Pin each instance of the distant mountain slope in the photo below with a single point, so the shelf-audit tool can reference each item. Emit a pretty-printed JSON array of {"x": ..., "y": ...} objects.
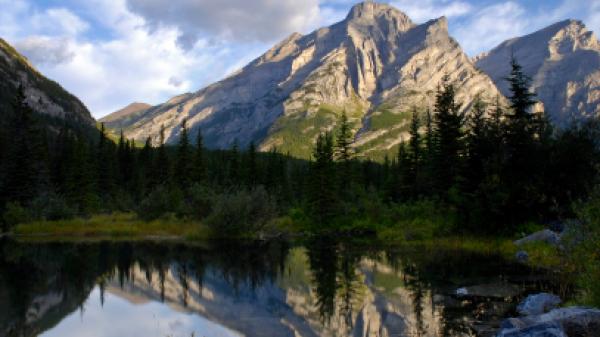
[
  {"x": 376, "y": 65},
  {"x": 119, "y": 118},
  {"x": 43, "y": 95},
  {"x": 564, "y": 62}
]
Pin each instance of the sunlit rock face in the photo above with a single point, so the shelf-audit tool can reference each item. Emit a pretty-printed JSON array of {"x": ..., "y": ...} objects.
[
  {"x": 563, "y": 61},
  {"x": 41, "y": 94},
  {"x": 376, "y": 65}
]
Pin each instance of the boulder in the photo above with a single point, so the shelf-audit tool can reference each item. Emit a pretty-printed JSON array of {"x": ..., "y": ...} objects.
[
  {"x": 538, "y": 304},
  {"x": 545, "y": 235},
  {"x": 547, "y": 329},
  {"x": 572, "y": 321}
]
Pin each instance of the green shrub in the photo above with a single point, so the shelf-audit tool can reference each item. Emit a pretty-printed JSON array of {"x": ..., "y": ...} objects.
[
  {"x": 242, "y": 213},
  {"x": 160, "y": 202},
  {"x": 201, "y": 199},
  {"x": 14, "y": 214},
  {"x": 51, "y": 206},
  {"x": 587, "y": 251}
]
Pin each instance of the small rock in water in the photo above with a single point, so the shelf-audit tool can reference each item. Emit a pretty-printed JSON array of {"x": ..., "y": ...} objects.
[
  {"x": 492, "y": 290},
  {"x": 522, "y": 256},
  {"x": 538, "y": 304},
  {"x": 462, "y": 291}
]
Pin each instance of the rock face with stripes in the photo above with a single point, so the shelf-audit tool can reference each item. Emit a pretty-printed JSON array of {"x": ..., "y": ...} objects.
[
  {"x": 376, "y": 65},
  {"x": 563, "y": 61}
]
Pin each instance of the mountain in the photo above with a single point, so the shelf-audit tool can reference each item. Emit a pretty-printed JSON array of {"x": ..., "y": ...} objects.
[
  {"x": 44, "y": 96},
  {"x": 376, "y": 65},
  {"x": 563, "y": 61},
  {"x": 121, "y": 117}
]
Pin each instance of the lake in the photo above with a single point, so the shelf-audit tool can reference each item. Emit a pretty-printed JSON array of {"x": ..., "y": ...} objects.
[{"x": 320, "y": 287}]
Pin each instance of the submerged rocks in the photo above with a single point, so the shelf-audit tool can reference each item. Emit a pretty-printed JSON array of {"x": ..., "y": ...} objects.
[
  {"x": 522, "y": 256},
  {"x": 567, "y": 322},
  {"x": 538, "y": 304},
  {"x": 545, "y": 235}
]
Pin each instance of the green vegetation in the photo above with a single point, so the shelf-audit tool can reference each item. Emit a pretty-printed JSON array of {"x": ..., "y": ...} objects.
[
  {"x": 481, "y": 175},
  {"x": 116, "y": 225}
]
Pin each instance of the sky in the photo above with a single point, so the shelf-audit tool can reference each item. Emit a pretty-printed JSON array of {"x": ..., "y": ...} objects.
[{"x": 111, "y": 53}]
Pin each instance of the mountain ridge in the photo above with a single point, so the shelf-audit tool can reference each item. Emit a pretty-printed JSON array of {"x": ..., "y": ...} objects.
[
  {"x": 563, "y": 61},
  {"x": 376, "y": 64},
  {"x": 43, "y": 95}
]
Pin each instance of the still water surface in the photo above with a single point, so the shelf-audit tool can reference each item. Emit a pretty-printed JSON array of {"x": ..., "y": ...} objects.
[{"x": 317, "y": 288}]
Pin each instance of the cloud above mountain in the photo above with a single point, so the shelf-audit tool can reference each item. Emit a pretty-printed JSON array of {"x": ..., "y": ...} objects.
[
  {"x": 112, "y": 52},
  {"x": 233, "y": 20}
]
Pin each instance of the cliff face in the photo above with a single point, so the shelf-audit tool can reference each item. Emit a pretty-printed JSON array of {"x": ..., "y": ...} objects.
[
  {"x": 44, "y": 96},
  {"x": 563, "y": 61},
  {"x": 376, "y": 65}
]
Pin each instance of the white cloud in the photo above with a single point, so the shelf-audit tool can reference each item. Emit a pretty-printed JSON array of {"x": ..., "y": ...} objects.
[
  {"x": 113, "y": 52},
  {"x": 43, "y": 50},
  {"x": 491, "y": 25},
  {"x": 236, "y": 20}
]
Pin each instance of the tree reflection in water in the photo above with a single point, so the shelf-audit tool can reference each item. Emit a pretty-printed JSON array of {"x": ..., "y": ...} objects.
[{"x": 321, "y": 287}]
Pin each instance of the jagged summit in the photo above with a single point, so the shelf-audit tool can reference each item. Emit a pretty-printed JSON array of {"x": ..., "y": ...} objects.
[
  {"x": 371, "y": 11},
  {"x": 376, "y": 65},
  {"x": 563, "y": 60}
]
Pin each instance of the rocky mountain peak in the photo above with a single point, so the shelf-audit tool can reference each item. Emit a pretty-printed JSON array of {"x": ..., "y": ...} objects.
[
  {"x": 371, "y": 13},
  {"x": 563, "y": 61}
]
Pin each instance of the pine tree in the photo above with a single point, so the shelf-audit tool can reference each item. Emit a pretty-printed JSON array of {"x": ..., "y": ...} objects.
[
  {"x": 27, "y": 170},
  {"x": 234, "y": 164},
  {"x": 343, "y": 153},
  {"x": 344, "y": 139},
  {"x": 322, "y": 188},
  {"x": 414, "y": 156},
  {"x": 183, "y": 163},
  {"x": 145, "y": 161},
  {"x": 161, "y": 164},
  {"x": 448, "y": 141},
  {"x": 251, "y": 166},
  {"x": 521, "y": 98},
  {"x": 105, "y": 165},
  {"x": 478, "y": 147},
  {"x": 199, "y": 160},
  {"x": 520, "y": 145}
]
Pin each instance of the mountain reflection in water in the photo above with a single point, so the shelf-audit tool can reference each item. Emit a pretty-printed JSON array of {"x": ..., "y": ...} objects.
[{"x": 234, "y": 288}]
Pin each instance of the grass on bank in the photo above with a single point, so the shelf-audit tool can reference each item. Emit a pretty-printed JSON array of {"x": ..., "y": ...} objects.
[{"x": 115, "y": 225}]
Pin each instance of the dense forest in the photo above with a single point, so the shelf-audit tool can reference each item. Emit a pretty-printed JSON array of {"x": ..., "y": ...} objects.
[{"x": 488, "y": 172}]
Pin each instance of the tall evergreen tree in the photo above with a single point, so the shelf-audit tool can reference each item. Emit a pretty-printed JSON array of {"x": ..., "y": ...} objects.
[
  {"x": 415, "y": 156},
  {"x": 27, "y": 170},
  {"x": 344, "y": 140},
  {"x": 199, "y": 170},
  {"x": 161, "y": 165},
  {"x": 448, "y": 138},
  {"x": 251, "y": 166},
  {"x": 322, "y": 188},
  {"x": 520, "y": 146},
  {"x": 234, "y": 164},
  {"x": 183, "y": 162},
  {"x": 105, "y": 165}
]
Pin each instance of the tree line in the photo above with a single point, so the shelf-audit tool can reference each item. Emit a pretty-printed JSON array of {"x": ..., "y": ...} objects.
[{"x": 495, "y": 168}]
